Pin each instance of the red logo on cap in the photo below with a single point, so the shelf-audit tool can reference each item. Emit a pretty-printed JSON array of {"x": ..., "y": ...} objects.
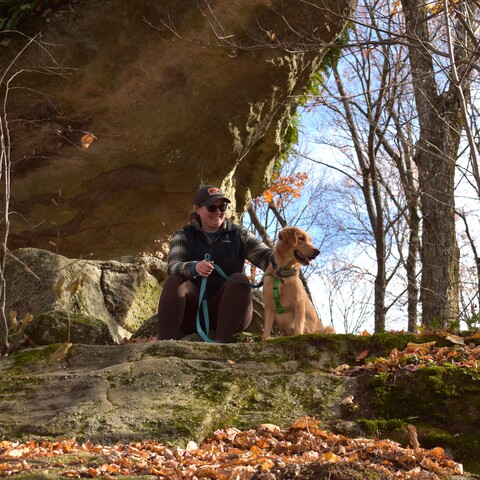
[{"x": 214, "y": 191}]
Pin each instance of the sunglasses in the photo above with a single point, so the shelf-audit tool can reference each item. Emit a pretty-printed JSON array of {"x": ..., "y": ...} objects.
[{"x": 221, "y": 208}]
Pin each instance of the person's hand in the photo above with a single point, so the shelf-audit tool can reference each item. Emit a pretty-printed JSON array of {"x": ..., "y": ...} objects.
[{"x": 204, "y": 268}]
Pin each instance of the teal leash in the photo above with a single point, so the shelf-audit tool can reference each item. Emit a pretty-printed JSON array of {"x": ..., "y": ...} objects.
[{"x": 202, "y": 302}]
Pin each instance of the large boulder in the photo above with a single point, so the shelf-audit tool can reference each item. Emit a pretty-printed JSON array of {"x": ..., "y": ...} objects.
[
  {"x": 176, "y": 391},
  {"x": 126, "y": 107},
  {"x": 89, "y": 301},
  {"x": 81, "y": 301},
  {"x": 168, "y": 390}
]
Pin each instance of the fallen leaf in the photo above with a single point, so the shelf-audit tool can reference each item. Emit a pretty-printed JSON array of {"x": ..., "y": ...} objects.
[
  {"x": 87, "y": 140},
  {"x": 455, "y": 339},
  {"x": 13, "y": 320},
  {"x": 412, "y": 433},
  {"x": 269, "y": 427},
  {"x": 60, "y": 353},
  {"x": 15, "y": 453},
  {"x": 305, "y": 423},
  {"x": 25, "y": 322},
  {"x": 341, "y": 369},
  {"x": 238, "y": 454},
  {"x": 331, "y": 457},
  {"x": 75, "y": 286},
  {"x": 361, "y": 355},
  {"x": 191, "y": 445},
  {"x": 267, "y": 465},
  {"x": 422, "y": 348},
  {"x": 58, "y": 287}
]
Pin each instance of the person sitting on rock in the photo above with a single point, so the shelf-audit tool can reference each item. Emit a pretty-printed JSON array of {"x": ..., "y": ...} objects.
[{"x": 230, "y": 306}]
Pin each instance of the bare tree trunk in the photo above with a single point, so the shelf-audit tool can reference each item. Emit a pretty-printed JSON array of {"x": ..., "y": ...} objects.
[
  {"x": 436, "y": 152},
  {"x": 440, "y": 253},
  {"x": 380, "y": 247},
  {"x": 5, "y": 220},
  {"x": 407, "y": 179},
  {"x": 258, "y": 225},
  {"x": 371, "y": 189},
  {"x": 412, "y": 284}
]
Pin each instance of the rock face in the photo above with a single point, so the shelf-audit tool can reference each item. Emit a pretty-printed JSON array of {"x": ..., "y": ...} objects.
[
  {"x": 173, "y": 392},
  {"x": 89, "y": 301},
  {"x": 82, "y": 301},
  {"x": 125, "y": 108},
  {"x": 166, "y": 390}
]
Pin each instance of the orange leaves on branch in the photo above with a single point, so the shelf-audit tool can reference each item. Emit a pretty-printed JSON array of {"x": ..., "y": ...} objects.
[
  {"x": 268, "y": 195},
  {"x": 284, "y": 188}
]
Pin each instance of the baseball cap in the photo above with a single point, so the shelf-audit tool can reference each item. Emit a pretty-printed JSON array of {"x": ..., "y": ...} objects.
[{"x": 209, "y": 194}]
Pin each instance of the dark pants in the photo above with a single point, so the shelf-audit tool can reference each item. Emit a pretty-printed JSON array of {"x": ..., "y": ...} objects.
[{"x": 230, "y": 308}]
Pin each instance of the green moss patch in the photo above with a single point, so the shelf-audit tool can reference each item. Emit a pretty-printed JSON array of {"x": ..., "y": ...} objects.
[
  {"x": 54, "y": 326},
  {"x": 443, "y": 402}
]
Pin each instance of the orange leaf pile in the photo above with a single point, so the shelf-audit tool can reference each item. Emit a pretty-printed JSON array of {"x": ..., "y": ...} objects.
[{"x": 268, "y": 452}]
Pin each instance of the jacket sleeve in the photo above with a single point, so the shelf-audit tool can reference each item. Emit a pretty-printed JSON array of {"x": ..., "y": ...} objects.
[
  {"x": 255, "y": 250},
  {"x": 177, "y": 257}
]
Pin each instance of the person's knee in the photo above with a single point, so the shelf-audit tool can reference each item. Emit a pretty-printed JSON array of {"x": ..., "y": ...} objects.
[
  {"x": 174, "y": 288},
  {"x": 239, "y": 277},
  {"x": 239, "y": 284},
  {"x": 174, "y": 281},
  {"x": 176, "y": 285}
]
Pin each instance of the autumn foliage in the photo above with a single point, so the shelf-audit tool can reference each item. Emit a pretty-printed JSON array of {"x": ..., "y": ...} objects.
[
  {"x": 463, "y": 354},
  {"x": 266, "y": 453},
  {"x": 284, "y": 188}
]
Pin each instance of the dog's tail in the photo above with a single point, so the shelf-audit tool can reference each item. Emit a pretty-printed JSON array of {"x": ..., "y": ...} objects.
[{"x": 328, "y": 329}]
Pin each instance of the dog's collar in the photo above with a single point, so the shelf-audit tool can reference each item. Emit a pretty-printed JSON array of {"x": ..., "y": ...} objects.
[{"x": 282, "y": 271}]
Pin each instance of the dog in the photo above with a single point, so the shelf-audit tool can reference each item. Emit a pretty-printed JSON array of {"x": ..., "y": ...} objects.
[{"x": 284, "y": 294}]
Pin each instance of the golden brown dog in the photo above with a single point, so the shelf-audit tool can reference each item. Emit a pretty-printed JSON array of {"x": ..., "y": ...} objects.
[{"x": 284, "y": 295}]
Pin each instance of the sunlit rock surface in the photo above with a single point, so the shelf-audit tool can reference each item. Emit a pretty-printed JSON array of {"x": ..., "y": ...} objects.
[{"x": 125, "y": 108}]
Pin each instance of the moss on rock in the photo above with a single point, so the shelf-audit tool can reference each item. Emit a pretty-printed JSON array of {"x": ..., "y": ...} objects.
[
  {"x": 443, "y": 402},
  {"x": 54, "y": 326}
]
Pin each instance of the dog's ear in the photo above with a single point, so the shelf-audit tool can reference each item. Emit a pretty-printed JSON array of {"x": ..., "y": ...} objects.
[{"x": 288, "y": 235}]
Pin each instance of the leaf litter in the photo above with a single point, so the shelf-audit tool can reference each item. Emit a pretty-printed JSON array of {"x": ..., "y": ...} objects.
[
  {"x": 269, "y": 452},
  {"x": 464, "y": 353}
]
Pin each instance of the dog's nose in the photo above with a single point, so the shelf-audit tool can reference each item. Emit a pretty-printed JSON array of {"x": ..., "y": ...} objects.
[{"x": 316, "y": 253}]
